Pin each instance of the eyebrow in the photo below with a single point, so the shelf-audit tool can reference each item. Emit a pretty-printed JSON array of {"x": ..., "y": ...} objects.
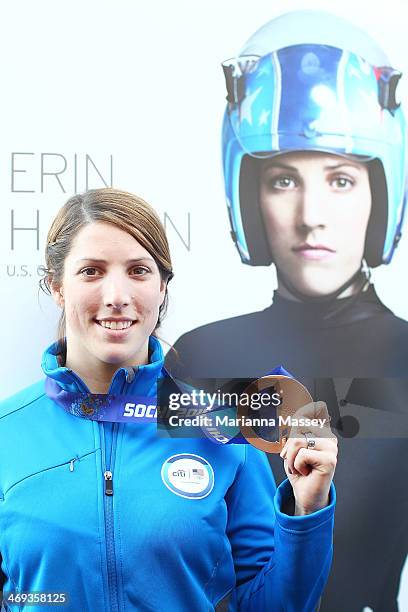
[
  {"x": 328, "y": 167},
  {"x": 279, "y": 165},
  {"x": 350, "y": 164},
  {"x": 103, "y": 261}
]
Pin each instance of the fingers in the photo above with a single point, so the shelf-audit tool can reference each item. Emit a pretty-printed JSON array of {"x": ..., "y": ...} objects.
[
  {"x": 315, "y": 417},
  {"x": 326, "y": 447},
  {"x": 315, "y": 411},
  {"x": 312, "y": 419},
  {"x": 307, "y": 459}
]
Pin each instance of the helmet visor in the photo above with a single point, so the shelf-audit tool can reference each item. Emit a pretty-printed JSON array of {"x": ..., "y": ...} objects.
[{"x": 310, "y": 97}]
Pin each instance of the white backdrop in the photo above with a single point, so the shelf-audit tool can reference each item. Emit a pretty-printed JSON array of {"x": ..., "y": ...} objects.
[{"x": 138, "y": 88}]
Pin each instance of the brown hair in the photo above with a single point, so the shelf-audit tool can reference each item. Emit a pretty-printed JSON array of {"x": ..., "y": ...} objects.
[{"x": 120, "y": 208}]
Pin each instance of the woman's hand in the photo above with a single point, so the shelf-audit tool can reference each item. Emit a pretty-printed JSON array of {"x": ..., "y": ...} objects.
[{"x": 310, "y": 470}]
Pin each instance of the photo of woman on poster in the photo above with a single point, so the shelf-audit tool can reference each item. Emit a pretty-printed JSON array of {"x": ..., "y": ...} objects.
[{"x": 314, "y": 156}]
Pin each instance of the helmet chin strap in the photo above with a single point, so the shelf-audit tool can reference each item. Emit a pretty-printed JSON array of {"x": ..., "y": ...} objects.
[{"x": 363, "y": 275}]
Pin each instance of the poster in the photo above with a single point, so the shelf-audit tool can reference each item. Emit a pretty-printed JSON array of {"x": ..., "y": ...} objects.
[{"x": 133, "y": 96}]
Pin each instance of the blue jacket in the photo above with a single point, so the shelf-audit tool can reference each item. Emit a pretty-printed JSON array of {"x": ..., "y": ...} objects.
[{"x": 153, "y": 545}]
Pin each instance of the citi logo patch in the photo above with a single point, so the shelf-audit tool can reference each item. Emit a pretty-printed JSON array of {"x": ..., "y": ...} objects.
[{"x": 188, "y": 476}]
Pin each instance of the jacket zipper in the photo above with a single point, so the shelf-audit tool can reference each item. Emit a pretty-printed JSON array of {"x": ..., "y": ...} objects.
[
  {"x": 109, "y": 434},
  {"x": 108, "y": 483},
  {"x": 52, "y": 467}
]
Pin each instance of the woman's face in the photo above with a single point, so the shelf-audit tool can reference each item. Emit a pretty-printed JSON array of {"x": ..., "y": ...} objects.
[
  {"x": 316, "y": 208},
  {"x": 110, "y": 281}
]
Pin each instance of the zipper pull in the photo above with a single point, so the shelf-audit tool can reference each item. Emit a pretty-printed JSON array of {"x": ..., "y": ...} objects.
[
  {"x": 71, "y": 463},
  {"x": 108, "y": 483}
]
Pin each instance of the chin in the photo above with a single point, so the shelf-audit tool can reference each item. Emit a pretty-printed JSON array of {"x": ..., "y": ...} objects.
[
  {"x": 317, "y": 287},
  {"x": 114, "y": 357}
]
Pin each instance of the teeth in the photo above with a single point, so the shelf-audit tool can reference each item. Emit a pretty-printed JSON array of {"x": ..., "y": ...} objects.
[{"x": 115, "y": 324}]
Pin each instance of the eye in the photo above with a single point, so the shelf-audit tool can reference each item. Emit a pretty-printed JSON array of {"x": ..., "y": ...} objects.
[
  {"x": 282, "y": 182},
  {"x": 342, "y": 183},
  {"x": 140, "y": 270},
  {"x": 88, "y": 272}
]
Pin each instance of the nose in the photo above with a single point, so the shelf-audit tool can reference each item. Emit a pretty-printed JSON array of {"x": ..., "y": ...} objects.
[
  {"x": 116, "y": 291},
  {"x": 312, "y": 208}
]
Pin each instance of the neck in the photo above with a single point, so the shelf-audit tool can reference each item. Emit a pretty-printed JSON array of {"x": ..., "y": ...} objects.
[
  {"x": 98, "y": 378},
  {"x": 284, "y": 292}
]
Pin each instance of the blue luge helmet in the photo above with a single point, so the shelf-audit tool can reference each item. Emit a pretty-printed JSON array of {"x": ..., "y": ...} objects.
[{"x": 310, "y": 81}]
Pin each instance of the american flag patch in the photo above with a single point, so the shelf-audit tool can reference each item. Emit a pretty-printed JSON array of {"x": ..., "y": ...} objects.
[{"x": 198, "y": 472}]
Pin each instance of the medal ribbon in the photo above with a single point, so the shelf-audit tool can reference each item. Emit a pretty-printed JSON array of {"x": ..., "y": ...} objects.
[{"x": 103, "y": 407}]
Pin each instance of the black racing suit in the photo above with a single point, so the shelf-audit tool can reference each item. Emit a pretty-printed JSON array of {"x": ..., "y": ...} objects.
[{"x": 354, "y": 349}]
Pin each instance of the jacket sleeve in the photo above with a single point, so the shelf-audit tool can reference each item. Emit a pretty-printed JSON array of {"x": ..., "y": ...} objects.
[{"x": 281, "y": 562}]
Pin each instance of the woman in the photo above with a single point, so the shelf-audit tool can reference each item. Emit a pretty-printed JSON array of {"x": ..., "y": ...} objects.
[
  {"x": 108, "y": 513},
  {"x": 315, "y": 153}
]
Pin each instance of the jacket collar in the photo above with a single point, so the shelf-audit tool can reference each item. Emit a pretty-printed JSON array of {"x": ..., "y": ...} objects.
[{"x": 134, "y": 379}]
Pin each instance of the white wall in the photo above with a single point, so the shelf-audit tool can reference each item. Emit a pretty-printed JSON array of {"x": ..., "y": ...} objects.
[{"x": 141, "y": 82}]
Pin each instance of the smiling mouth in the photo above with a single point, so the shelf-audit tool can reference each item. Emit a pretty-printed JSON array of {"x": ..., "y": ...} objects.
[{"x": 115, "y": 325}]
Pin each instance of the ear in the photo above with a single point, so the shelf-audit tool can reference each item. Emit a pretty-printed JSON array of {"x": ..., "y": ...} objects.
[
  {"x": 57, "y": 293},
  {"x": 163, "y": 289}
]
